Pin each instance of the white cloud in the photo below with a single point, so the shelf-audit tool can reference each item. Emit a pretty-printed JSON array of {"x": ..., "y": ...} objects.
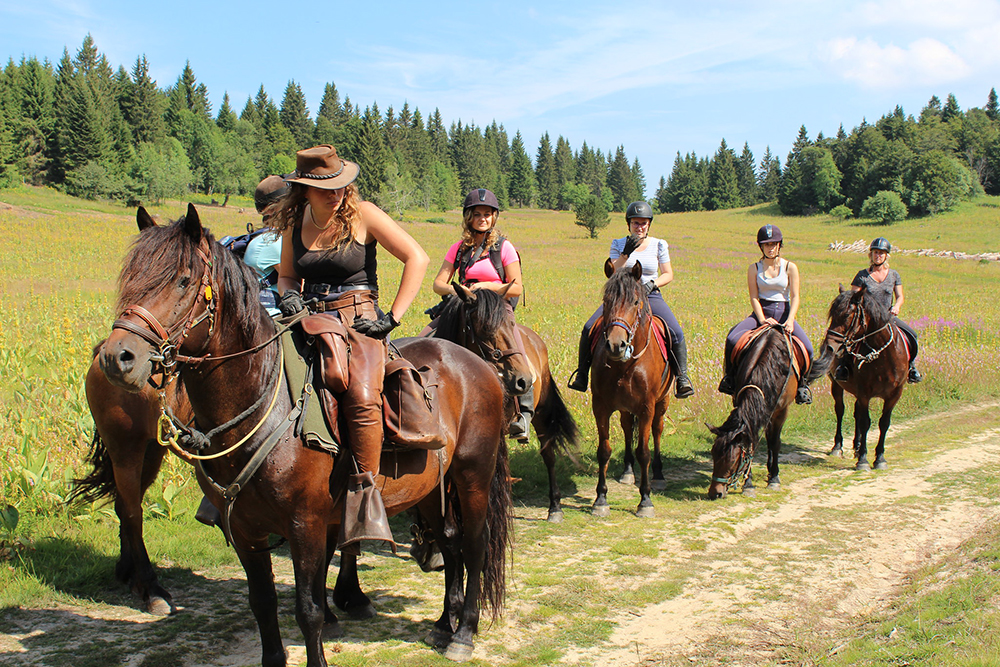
[
  {"x": 934, "y": 14},
  {"x": 925, "y": 61}
]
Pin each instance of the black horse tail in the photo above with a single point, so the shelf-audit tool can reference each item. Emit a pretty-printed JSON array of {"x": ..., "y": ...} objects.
[
  {"x": 822, "y": 365},
  {"x": 101, "y": 482},
  {"x": 558, "y": 426},
  {"x": 499, "y": 523}
]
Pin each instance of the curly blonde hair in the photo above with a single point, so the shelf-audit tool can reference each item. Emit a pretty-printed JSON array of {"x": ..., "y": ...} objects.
[
  {"x": 289, "y": 212},
  {"x": 468, "y": 235}
]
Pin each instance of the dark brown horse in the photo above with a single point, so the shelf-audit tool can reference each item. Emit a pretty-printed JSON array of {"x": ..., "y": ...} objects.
[
  {"x": 631, "y": 376},
  {"x": 185, "y": 299},
  {"x": 765, "y": 385},
  {"x": 482, "y": 322},
  {"x": 862, "y": 335}
]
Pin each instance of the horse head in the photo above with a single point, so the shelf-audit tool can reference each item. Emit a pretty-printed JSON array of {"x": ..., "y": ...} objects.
[
  {"x": 489, "y": 330},
  {"x": 732, "y": 452},
  {"x": 168, "y": 298},
  {"x": 625, "y": 308}
]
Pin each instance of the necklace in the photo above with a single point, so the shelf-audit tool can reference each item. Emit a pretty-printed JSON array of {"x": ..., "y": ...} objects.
[{"x": 315, "y": 224}]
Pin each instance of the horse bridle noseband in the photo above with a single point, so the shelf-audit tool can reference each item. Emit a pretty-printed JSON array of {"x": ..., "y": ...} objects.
[
  {"x": 850, "y": 344},
  {"x": 630, "y": 331},
  {"x": 486, "y": 350}
]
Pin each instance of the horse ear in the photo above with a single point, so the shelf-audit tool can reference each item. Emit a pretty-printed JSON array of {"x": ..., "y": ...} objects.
[
  {"x": 609, "y": 268},
  {"x": 715, "y": 431},
  {"x": 503, "y": 290},
  {"x": 841, "y": 287},
  {"x": 144, "y": 219},
  {"x": 464, "y": 293},
  {"x": 637, "y": 271},
  {"x": 192, "y": 224},
  {"x": 858, "y": 294}
]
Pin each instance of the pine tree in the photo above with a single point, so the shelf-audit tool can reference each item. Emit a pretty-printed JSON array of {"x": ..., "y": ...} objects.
[
  {"x": 329, "y": 106},
  {"x": 143, "y": 105},
  {"x": 621, "y": 182},
  {"x": 226, "y": 120},
  {"x": 746, "y": 178},
  {"x": 638, "y": 181},
  {"x": 295, "y": 116},
  {"x": 951, "y": 109},
  {"x": 522, "y": 176},
  {"x": 661, "y": 199},
  {"x": 992, "y": 106},
  {"x": 545, "y": 174},
  {"x": 372, "y": 154},
  {"x": 769, "y": 178},
  {"x": 438, "y": 135},
  {"x": 564, "y": 170},
  {"x": 723, "y": 188},
  {"x": 30, "y": 126}
]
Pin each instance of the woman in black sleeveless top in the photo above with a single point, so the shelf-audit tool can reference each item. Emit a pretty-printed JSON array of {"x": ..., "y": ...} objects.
[{"x": 329, "y": 242}]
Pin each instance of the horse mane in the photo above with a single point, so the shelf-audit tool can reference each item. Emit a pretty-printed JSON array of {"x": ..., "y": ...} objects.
[
  {"x": 764, "y": 365},
  {"x": 621, "y": 288},
  {"x": 161, "y": 253},
  {"x": 876, "y": 313},
  {"x": 488, "y": 311}
]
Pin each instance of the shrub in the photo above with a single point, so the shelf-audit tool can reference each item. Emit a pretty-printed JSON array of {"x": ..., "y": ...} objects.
[
  {"x": 841, "y": 212},
  {"x": 885, "y": 207},
  {"x": 592, "y": 215}
]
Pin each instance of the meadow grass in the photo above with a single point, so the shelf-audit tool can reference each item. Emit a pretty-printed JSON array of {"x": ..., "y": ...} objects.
[{"x": 57, "y": 290}]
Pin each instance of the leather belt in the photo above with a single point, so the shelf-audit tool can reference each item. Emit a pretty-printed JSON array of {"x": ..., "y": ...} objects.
[{"x": 326, "y": 289}]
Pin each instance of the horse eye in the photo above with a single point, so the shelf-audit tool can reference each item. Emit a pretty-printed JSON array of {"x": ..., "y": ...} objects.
[{"x": 184, "y": 282}]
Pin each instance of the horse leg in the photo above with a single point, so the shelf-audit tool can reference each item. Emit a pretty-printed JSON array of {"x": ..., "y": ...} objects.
[
  {"x": 645, "y": 508},
  {"x": 838, "y": 407},
  {"x": 473, "y": 558},
  {"x": 627, "y": 420},
  {"x": 658, "y": 483},
  {"x": 547, "y": 449},
  {"x": 600, "y": 506},
  {"x": 883, "y": 429},
  {"x": 347, "y": 593},
  {"x": 862, "y": 422},
  {"x": 133, "y": 475},
  {"x": 749, "y": 490},
  {"x": 309, "y": 563},
  {"x": 773, "y": 435},
  {"x": 445, "y": 533},
  {"x": 264, "y": 603}
]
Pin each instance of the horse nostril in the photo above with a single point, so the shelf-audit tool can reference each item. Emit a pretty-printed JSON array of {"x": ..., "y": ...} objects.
[{"x": 125, "y": 359}]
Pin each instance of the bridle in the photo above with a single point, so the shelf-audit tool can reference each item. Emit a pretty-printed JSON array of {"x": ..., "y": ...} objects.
[
  {"x": 487, "y": 350},
  {"x": 631, "y": 329},
  {"x": 850, "y": 340}
]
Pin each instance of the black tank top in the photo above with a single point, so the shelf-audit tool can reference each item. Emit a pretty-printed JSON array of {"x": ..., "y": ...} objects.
[{"x": 355, "y": 264}]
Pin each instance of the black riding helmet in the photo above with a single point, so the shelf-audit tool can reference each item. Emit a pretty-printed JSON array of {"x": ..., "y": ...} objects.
[
  {"x": 881, "y": 243},
  {"x": 480, "y": 197},
  {"x": 638, "y": 209},
  {"x": 769, "y": 234}
]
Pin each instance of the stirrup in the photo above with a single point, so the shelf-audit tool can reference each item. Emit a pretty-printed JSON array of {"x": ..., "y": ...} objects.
[
  {"x": 913, "y": 376},
  {"x": 726, "y": 385},
  {"x": 682, "y": 387},
  {"x": 207, "y": 514},
  {"x": 578, "y": 381},
  {"x": 803, "y": 396},
  {"x": 520, "y": 428}
]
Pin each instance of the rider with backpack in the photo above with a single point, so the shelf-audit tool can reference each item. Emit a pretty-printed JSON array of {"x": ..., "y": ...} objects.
[
  {"x": 654, "y": 256},
  {"x": 484, "y": 259}
]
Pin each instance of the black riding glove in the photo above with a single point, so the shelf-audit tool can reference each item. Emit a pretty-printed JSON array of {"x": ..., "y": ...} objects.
[
  {"x": 291, "y": 303},
  {"x": 379, "y": 328},
  {"x": 631, "y": 243},
  {"x": 650, "y": 287}
]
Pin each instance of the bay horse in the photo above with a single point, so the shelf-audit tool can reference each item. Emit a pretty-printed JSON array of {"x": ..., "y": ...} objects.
[
  {"x": 862, "y": 334},
  {"x": 482, "y": 321},
  {"x": 189, "y": 307},
  {"x": 765, "y": 386},
  {"x": 629, "y": 375}
]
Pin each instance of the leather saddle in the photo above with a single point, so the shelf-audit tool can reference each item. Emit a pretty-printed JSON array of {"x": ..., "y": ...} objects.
[{"x": 801, "y": 361}]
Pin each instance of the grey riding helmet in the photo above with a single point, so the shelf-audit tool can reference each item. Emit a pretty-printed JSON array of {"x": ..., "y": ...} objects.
[
  {"x": 638, "y": 209},
  {"x": 881, "y": 243},
  {"x": 480, "y": 197},
  {"x": 768, "y": 234}
]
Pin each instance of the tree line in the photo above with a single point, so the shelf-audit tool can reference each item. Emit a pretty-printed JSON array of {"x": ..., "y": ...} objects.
[
  {"x": 97, "y": 132},
  {"x": 898, "y": 166}
]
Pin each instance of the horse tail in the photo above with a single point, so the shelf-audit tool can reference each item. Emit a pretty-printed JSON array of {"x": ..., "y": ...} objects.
[
  {"x": 558, "y": 426},
  {"x": 101, "y": 482},
  {"x": 499, "y": 522},
  {"x": 822, "y": 365}
]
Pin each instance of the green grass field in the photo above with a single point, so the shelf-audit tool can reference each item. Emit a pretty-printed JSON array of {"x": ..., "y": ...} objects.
[{"x": 57, "y": 289}]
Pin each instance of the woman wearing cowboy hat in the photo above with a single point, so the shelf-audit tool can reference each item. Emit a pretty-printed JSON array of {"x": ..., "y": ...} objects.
[
  {"x": 773, "y": 285},
  {"x": 653, "y": 255},
  {"x": 484, "y": 259},
  {"x": 886, "y": 286},
  {"x": 329, "y": 242}
]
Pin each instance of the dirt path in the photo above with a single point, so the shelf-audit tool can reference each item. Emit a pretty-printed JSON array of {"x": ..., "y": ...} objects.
[
  {"x": 824, "y": 557},
  {"x": 795, "y": 571}
]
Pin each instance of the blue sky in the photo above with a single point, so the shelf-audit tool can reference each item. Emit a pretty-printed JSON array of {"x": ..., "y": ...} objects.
[{"x": 656, "y": 77}]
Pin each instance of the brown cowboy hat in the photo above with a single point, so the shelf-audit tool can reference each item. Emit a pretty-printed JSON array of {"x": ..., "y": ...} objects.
[{"x": 321, "y": 167}]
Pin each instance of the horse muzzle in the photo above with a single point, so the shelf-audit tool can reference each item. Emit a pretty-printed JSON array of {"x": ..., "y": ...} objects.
[
  {"x": 126, "y": 363},
  {"x": 620, "y": 351}
]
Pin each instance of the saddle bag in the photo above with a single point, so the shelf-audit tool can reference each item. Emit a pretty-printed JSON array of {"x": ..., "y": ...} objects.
[
  {"x": 329, "y": 335},
  {"x": 408, "y": 406}
]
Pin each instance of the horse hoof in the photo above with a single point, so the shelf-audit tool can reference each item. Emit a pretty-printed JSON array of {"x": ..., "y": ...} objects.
[
  {"x": 438, "y": 638},
  {"x": 627, "y": 478},
  {"x": 837, "y": 451},
  {"x": 158, "y": 606},
  {"x": 862, "y": 465},
  {"x": 602, "y": 511},
  {"x": 332, "y": 630},
  {"x": 658, "y": 485},
  {"x": 458, "y": 652},
  {"x": 774, "y": 485},
  {"x": 362, "y": 612},
  {"x": 881, "y": 465},
  {"x": 645, "y": 512},
  {"x": 751, "y": 492},
  {"x": 555, "y": 517}
]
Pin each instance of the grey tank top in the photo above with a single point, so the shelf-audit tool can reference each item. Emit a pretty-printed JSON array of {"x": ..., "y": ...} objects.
[{"x": 773, "y": 289}]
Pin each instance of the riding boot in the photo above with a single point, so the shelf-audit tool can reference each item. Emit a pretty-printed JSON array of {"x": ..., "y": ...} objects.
[
  {"x": 520, "y": 427},
  {"x": 843, "y": 371},
  {"x": 208, "y": 514},
  {"x": 914, "y": 375},
  {"x": 364, "y": 514},
  {"x": 682, "y": 384},
  {"x": 726, "y": 385},
  {"x": 578, "y": 380}
]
